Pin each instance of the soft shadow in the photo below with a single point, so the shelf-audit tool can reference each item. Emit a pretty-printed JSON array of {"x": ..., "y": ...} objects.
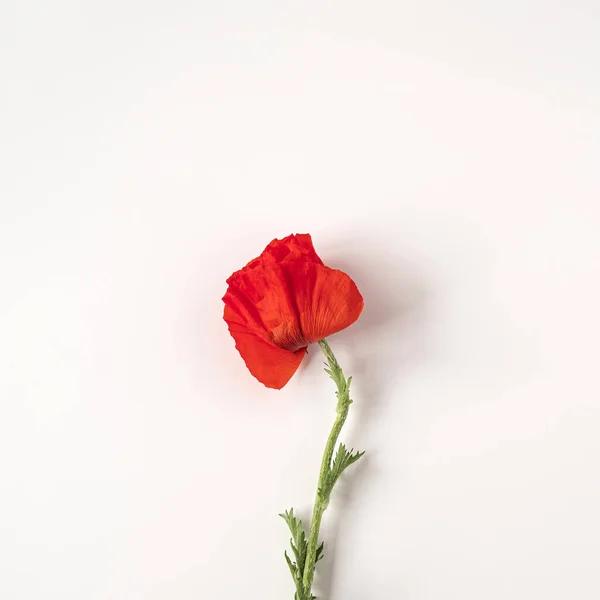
[{"x": 381, "y": 344}]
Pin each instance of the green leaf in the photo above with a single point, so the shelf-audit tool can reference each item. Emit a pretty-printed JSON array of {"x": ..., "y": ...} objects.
[
  {"x": 343, "y": 459},
  {"x": 291, "y": 565},
  {"x": 320, "y": 552},
  {"x": 296, "y": 576},
  {"x": 299, "y": 548}
]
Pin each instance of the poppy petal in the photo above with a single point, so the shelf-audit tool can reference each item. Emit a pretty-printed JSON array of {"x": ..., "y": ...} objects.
[
  {"x": 293, "y": 248},
  {"x": 261, "y": 299},
  {"x": 327, "y": 300},
  {"x": 292, "y": 305},
  {"x": 271, "y": 365},
  {"x": 281, "y": 302}
]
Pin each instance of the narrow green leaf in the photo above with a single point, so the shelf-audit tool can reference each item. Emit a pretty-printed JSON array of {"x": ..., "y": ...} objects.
[
  {"x": 319, "y": 555},
  {"x": 290, "y": 565}
]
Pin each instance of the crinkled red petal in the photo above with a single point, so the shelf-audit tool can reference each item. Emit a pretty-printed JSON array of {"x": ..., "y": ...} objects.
[
  {"x": 293, "y": 248},
  {"x": 271, "y": 365},
  {"x": 327, "y": 300},
  {"x": 283, "y": 301}
]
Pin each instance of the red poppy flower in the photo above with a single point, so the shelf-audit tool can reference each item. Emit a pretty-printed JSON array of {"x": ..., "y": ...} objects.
[{"x": 281, "y": 302}]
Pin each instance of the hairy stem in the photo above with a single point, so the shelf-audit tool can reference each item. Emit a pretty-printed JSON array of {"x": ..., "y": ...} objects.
[{"x": 326, "y": 476}]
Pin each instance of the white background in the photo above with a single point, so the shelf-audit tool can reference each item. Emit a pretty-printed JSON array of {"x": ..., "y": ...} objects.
[{"x": 446, "y": 155}]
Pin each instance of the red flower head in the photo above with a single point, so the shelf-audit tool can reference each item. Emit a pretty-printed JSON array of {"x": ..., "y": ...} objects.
[{"x": 281, "y": 302}]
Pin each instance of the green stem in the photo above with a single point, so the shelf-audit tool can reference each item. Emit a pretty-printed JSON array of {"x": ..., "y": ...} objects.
[{"x": 326, "y": 480}]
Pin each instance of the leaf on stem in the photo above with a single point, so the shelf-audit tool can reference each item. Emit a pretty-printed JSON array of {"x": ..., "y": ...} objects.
[
  {"x": 343, "y": 459},
  {"x": 319, "y": 555},
  {"x": 299, "y": 548}
]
